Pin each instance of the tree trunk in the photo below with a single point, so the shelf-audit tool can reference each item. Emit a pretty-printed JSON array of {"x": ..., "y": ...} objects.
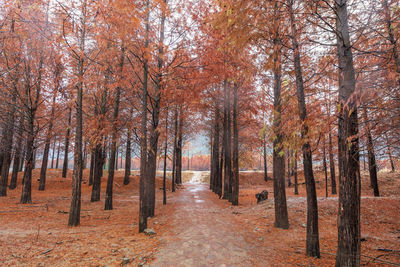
[
  {"x": 7, "y": 144},
  {"x": 216, "y": 144},
  {"x": 27, "y": 181},
  {"x": 265, "y": 158},
  {"x": 325, "y": 168},
  {"x": 165, "y": 159},
  {"x": 144, "y": 183},
  {"x": 53, "y": 153},
  {"x": 58, "y": 154},
  {"x": 128, "y": 158},
  {"x": 289, "y": 167},
  {"x": 281, "y": 214},
  {"x": 174, "y": 150},
  {"x": 235, "y": 179},
  {"x": 348, "y": 252},
  {"x": 43, "y": 170},
  {"x": 67, "y": 136},
  {"x": 110, "y": 181},
  {"x": 332, "y": 165},
  {"x": 178, "y": 168},
  {"x": 312, "y": 238},
  {"x": 296, "y": 185},
  {"x": 391, "y": 37},
  {"x": 390, "y": 154},
  {"x": 18, "y": 156},
  {"x": 226, "y": 145},
  {"x": 98, "y": 173},
  {"x": 373, "y": 176},
  {"x": 91, "y": 171}
]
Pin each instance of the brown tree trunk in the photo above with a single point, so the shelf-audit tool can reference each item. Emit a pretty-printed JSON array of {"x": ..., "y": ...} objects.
[
  {"x": 53, "y": 152},
  {"x": 165, "y": 159},
  {"x": 296, "y": 184},
  {"x": 281, "y": 214},
  {"x": 7, "y": 143},
  {"x": 98, "y": 173},
  {"x": 391, "y": 37},
  {"x": 18, "y": 156},
  {"x": 144, "y": 183},
  {"x": 312, "y": 238},
  {"x": 67, "y": 136},
  {"x": 226, "y": 145},
  {"x": 92, "y": 166},
  {"x": 110, "y": 181},
  {"x": 128, "y": 159},
  {"x": 43, "y": 170},
  {"x": 235, "y": 178},
  {"x": 390, "y": 154},
  {"x": 332, "y": 165},
  {"x": 265, "y": 158},
  {"x": 325, "y": 168},
  {"x": 75, "y": 208},
  {"x": 216, "y": 143},
  {"x": 348, "y": 252},
  {"x": 58, "y": 154},
  {"x": 178, "y": 168},
  {"x": 373, "y": 176},
  {"x": 174, "y": 150}
]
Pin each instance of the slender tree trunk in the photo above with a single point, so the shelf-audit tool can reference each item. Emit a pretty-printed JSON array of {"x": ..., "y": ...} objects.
[
  {"x": 332, "y": 165},
  {"x": 67, "y": 136},
  {"x": 312, "y": 238},
  {"x": 128, "y": 158},
  {"x": 144, "y": 183},
  {"x": 281, "y": 214},
  {"x": 325, "y": 168},
  {"x": 53, "y": 153},
  {"x": 371, "y": 157},
  {"x": 58, "y": 154},
  {"x": 27, "y": 181},
  {"x": 225, "y": 143},
  {"x": 216, "y": 144},
  {"x": 348, "y": 252},
  {"x": 265, "y": 158},
  {"x": 235, "y": 180},
  {"x": 18, "y": 156},
  {"x": 289, "y": 166},
  {"x": 178, "y": 168},
  {"x": 43, "y": 170},
  {"x": 92, "y": 166},
  {"x": 7, "y": 144},
  {"x": 98, "y": 173},
  {"x": 174, "y": 150},
  {"x": 109, "y": 191},
  {"x": 390, "y": 154},
  {"x": 296, "y": 184},
  {"x": 165, "y": 159},
  {"x": 391, "y": 37}
]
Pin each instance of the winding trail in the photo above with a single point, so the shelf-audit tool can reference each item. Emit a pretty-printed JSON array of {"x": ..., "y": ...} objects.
[{"x": 203, "y": 232}]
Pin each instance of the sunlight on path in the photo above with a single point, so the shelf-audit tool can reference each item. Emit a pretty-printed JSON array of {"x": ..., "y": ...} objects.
[{"x": 203, "y": 232}]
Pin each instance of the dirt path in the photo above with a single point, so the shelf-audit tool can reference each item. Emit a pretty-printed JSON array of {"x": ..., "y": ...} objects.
[{"x": 203, "y": 232}]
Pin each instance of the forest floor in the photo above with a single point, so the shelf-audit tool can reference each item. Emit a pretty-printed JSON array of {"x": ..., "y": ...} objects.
[{"x": 194, "y": 229}]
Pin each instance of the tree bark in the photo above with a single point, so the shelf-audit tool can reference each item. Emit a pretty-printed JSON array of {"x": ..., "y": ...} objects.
[
  {"x": 174, "y": 149},
  {"x": 110, "y": 181},
  {"x": 67, "y": 136},
  {"x": 216, "y": 143},
  {"x": 391, "y": 37},
  {"x": 281, "y": 214},
  {"x": 332, "y": 165},
  {"x": 312, "y": 238},
  {"x": 235, "y": 178},
  {"x": 128, "y": 159},
  {"x": 373, "y": 176},
  {"x": 43, "y": 170},
  {"x": 296, "y": 184},
  {"x": 92, "y": 166},
  {"x": 7, "y": 144},
  {"x": 265, "y": 158},
  {"x": 18, "y": 156},
  {"x": 226, "y": 145},
  {"x": 348, "y": 252},
  {"x": 144, "y": 183}
]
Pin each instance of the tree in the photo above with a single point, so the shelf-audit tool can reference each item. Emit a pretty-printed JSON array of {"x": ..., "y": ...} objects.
[{"x": 348, "y": 252}]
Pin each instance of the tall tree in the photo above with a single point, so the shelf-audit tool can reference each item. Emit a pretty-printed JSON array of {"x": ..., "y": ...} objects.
[{"x": 348, "y": 251}]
